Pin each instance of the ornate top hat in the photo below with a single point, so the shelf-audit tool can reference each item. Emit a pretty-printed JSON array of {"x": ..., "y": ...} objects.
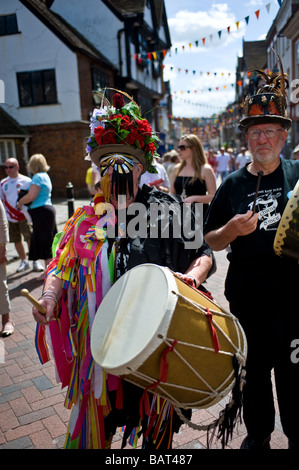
[{"x": 269, "y": 104}]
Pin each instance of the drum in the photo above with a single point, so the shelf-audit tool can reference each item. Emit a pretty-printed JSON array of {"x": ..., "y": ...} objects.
[
  {"x": 286, "y": 242},
  {"x": 157, "y": 332}
]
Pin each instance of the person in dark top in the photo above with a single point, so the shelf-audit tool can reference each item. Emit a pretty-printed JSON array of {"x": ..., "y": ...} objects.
[
  {"x": 193, "y": 178},
  {"x": 262, "y": 287},
  {"x": 90, "y": 257}
]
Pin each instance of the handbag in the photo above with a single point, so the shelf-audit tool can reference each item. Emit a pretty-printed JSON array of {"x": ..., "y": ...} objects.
[{"x": 23, "y": 192}]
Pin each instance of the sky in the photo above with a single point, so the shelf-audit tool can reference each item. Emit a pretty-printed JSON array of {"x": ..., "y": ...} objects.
[{"x": 207, "y": 38}]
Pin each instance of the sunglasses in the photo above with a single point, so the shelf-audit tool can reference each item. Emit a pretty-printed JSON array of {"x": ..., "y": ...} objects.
[
  {"x": 9, "y": 167},
  {"x": 183, "y": 147}
]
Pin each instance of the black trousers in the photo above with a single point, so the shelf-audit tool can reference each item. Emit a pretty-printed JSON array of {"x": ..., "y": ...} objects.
[
  {"x": 271, "y": 323},
  {"x": 44, "y": 230}
]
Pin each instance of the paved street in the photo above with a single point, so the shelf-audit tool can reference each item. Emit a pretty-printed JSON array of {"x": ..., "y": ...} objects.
[{"x": 32, "y": 414}]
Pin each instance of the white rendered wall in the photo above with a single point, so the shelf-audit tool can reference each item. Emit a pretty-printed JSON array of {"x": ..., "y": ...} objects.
[
  {"x": 95, "y": 22},
  {"x": 37, "y": 48}
]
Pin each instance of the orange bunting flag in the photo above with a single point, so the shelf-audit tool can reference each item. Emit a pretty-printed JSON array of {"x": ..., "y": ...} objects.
[
  {"x": 237, "y": 24},
  {"x": 228, "y": 29},
  {"x": 257, "y": 14},
  {"x": 203, "y": 41}
]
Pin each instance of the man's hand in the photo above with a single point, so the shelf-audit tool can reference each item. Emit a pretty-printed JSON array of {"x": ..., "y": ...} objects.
[
  {"x": 41, "y": 318},
  {"x": 242, "y": 224},
  {"x": 239, "y": 226}
]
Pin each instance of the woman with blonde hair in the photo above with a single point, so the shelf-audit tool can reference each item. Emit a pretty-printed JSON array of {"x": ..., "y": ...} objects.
[
  {"x": 41, "y": 210},
  {"x": 193, "y": 178}
]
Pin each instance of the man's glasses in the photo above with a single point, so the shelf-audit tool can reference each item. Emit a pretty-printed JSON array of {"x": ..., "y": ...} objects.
[
  {"x": 254, "y": 134},
  {"x": 9, "y": 167},
  {"x": 183, "y": 147}
]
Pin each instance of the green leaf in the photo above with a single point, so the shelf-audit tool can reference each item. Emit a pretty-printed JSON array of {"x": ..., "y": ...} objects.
[{"x": 132, "y": 110}]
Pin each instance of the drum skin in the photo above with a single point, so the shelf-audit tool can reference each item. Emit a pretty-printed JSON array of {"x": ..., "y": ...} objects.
[
  {"x": 286, "y": 242},
  {"x": 198, "y": 376}
]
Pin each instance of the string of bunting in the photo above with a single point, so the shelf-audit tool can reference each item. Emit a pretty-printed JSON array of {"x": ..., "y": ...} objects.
[
  {"x": 160, "y": 54},
  {"x": 217, "y": 88},
  {"x": 201, "y": 72},
  {"x": 228, "y": 29},
  {"x": 205, "y": 105},
  {"x": 249, "y": 73}
]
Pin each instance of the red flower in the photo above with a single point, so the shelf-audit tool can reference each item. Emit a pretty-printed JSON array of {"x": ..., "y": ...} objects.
[
  {"x": 126, "y": 123},
  {"x": 115, "y": 116},
  {"x": 98, "y": 132},
  {"x": 130, "y": 139},
  {"x": 144, "y": 127},
  {"x": 150, "y": 148},
  {"x": 140, "y": 138},
  {"x": 108, "y": 137},
  {"x": 118, "y": 101}
]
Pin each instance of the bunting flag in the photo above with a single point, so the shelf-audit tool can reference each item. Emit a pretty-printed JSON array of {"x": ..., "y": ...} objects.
[
  {"x": 196, "y": 103},
  {"x": 156, "y": 55},
  {"x": 217, "y": 88},
  {"x": 201, "y": 72},
  {"x": 228, "y": 28}
]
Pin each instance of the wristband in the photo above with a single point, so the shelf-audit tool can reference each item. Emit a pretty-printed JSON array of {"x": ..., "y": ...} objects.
[
  {"x": 50, "y": 298},
  {"x": 50, "y": 292}
]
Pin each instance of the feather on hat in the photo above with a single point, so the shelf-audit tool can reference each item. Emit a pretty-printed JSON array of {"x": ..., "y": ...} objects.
[{"x": 269, "y": 104}]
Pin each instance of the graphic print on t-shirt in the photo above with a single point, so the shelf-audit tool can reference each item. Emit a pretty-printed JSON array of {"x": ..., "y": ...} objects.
[{"x": 267, "y": 208}]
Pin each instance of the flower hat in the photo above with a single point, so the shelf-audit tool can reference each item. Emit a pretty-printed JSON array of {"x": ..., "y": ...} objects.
[
  {"x": 269, "y": 104},
  {"x": 120, "y": 129}
]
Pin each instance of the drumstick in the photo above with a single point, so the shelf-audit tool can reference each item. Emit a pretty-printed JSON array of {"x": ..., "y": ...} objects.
[
  {"x": 259, "y": 174},
  {"x": 40, "y": 307}
]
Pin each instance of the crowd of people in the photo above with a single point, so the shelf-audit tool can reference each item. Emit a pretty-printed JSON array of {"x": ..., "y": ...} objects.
[
  {"x": 243, "y": 196},
  {"x": 29, "y": 216}
]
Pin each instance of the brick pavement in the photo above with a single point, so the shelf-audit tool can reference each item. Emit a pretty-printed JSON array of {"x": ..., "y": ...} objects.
[{"x": 32, "y": 415}]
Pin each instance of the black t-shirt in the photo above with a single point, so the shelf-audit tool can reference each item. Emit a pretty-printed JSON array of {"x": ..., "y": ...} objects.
[
  {"x": 167, "y": 251},
  {"x": 253, "y": 261}
]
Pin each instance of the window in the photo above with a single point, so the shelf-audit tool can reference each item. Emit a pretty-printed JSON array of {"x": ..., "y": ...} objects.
[
  {"x": 8, "y": 24},
  {"x": 37, "y": 87},
  {"x": 100, "y": 79},
  {"x": 7, "y": 150}
]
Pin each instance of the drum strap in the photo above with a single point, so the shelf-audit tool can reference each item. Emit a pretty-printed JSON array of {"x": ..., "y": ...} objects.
[{"x": 144, "y": 401}]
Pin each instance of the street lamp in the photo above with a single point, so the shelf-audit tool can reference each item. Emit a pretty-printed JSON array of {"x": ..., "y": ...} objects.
[{"x": 99, "y": 97}]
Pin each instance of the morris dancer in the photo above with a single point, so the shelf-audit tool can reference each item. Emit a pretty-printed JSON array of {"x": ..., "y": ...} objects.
[{"x": 87, "y": 262}]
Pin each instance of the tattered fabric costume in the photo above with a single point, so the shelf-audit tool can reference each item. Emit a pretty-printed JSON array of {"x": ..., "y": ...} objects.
[{"x": 87, "y": 273}]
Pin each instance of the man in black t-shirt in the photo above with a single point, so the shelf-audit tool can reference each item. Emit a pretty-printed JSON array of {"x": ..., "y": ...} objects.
[{"x": 261, "y": 287}]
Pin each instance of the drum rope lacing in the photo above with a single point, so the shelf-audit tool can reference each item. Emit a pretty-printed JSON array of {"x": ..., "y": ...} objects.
[
  {"x": 216, "y": 422},
  {"x": 240, "y": 356},
  {"x": 212, "y": 392}
]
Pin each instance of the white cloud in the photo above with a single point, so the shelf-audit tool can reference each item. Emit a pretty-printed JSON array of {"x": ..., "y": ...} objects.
[{"x": 187, "y": 27}]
